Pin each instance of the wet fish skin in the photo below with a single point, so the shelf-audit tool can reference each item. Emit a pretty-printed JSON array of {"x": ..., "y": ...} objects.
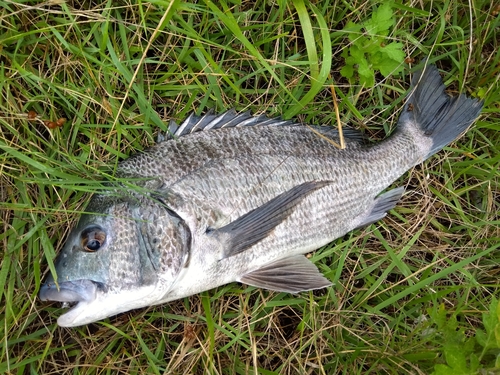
[{"x": 241, "y": 198}]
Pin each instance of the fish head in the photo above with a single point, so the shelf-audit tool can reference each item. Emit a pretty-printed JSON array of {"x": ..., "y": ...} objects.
[{"x": 123, "y": 256}]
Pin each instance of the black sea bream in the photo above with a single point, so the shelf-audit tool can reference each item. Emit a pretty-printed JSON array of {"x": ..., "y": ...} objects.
[{"x": 241, "y": 198}]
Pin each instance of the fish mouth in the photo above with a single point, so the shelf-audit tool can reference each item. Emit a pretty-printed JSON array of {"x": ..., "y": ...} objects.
[
  {"x": 71, "y": 292},
  {"x": 91, "y": 300},
  {"x": 76, "y": 294}
]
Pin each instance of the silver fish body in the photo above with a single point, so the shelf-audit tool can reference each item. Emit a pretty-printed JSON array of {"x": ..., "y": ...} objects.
[{"x": 240, "y": 198}]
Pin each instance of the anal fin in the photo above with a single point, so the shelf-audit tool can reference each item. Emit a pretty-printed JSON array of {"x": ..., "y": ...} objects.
[
  {"x": 293, "y": 275},
  {"x": 383, "y": 203}
]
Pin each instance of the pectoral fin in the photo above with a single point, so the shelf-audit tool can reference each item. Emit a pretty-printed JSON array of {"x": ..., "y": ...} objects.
[
  {"x": 257, "y": 224},
  {"x": 292, "y": 275}
]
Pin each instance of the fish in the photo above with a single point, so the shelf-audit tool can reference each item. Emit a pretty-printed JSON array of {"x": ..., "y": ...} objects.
[{"x": 240, "y": 198}]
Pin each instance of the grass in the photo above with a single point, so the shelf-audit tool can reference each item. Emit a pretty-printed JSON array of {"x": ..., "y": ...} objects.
[{"x": 118, "y": 71}]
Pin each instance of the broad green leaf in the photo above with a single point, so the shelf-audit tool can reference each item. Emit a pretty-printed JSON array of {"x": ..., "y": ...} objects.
[
  {"x": 490, "y": 319},
  {"x": 368, "y": 80},
  {"x": 474, "y": 362},
  {"x": 388, "y": 67},
  {"x": 452, "y": 325},
  {"x": 495, "y": 302},
  {"x": 352, "y": 27},
  {"x": 366, "y": 73},
  {"x": 347, "y": 71},
  {"x": 456, "y": 359},
  {"x": 353, "y": 30},
  {"x": 345, "y": 53},
  {"x": 394, "y": 51},
  {"x": 469, "y": 344},
  {"x": 381, "y": 21},
  {"x": 370, "y": 27},
  {"x": 372, "y": 45},
  {"x": 481, "y": 338},
  {"x": 443, "y": 370},
  {"x": 439, "y": 316},
  {"x": 356, "y": 53},
  {"x": 352, "y": 61},
  {"x": 497, "y": 335}
]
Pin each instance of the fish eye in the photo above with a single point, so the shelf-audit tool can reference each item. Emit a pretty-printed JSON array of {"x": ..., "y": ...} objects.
[{"x": 92, "y": 238}]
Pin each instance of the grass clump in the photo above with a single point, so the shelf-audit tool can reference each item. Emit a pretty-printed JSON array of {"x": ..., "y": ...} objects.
[{"x": 119, "y": 71}]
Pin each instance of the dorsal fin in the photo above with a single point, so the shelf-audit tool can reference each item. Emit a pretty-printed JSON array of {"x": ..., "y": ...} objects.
[
  {"x": 231, "y": 118},
  {"x": 227, "y": 119}
]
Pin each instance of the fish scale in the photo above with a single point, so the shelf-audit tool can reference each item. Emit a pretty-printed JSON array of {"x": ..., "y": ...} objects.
[
  {"x": 237, "y": 188},
  {"x": 234, "y": 197},
  {"x": 179, "y": 159}
]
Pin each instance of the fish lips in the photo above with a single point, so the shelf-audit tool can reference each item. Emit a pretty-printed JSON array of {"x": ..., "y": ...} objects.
[
  {"x": 70, "y": 291},
  {"x": 95, "y": 300}
]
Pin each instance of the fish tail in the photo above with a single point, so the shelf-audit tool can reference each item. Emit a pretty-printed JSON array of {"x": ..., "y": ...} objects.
[{"x": 440, "y": 117}]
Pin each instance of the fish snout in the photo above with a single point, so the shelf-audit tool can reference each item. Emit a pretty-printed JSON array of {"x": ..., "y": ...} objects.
[{"x": 69, "y": 291}]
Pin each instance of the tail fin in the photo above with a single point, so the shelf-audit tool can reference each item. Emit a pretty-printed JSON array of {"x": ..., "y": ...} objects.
[{"x": 441, "y": 117}]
